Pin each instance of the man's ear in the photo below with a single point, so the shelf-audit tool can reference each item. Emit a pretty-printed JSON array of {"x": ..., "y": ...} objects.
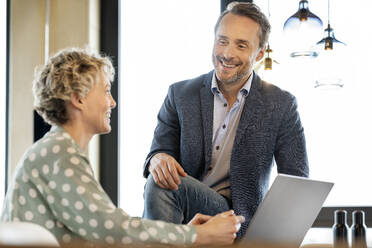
[
  {"x": 77, "y": 101},
  {"x": 260, "y": 54}
]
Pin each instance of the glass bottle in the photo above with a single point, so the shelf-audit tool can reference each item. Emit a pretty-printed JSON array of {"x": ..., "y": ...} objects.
[
  {"x": 340, "y": 229},
  {"x": 358, "y": 230}
]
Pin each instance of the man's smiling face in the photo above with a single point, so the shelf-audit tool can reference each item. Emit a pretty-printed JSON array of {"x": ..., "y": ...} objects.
[{"x": 236, "y": 48}]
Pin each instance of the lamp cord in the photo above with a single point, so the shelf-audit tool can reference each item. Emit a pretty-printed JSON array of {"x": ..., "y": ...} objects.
[{"x": 328, "y": 12}]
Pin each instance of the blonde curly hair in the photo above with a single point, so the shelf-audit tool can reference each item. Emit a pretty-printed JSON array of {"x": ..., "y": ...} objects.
[{"x": 69, "y": 71}]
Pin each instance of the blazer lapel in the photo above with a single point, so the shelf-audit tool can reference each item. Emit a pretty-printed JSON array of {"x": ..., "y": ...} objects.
[
  {"x": 252, "y": 107},
  {"x": 206, "y": 105}
]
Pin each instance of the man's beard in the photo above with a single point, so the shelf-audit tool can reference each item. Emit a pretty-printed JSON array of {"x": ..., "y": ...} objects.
[{"x": 236, "y": 78}]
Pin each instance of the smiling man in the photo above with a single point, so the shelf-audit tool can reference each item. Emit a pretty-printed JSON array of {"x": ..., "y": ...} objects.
[{"x": 218, "y": 134}]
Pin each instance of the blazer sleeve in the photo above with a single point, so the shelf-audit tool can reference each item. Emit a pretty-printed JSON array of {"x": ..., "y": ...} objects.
[
  {"x": 290, "y": 149},
  {"x": 167, "y": 132}
]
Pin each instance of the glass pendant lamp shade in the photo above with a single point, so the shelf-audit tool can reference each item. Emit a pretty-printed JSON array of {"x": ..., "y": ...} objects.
[
  {"x": 303, "y": 17},
  {"x": 330, "y": 60},
  {"x": 329, "y": 39},
  {"x": 302, "y": 30}
]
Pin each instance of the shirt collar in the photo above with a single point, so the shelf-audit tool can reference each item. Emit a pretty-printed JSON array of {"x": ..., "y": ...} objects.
[{"x": 244, "y": 90}]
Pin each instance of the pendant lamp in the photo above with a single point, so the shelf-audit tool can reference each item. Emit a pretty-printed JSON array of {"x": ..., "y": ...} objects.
[
  {"x": 303, "y": 29},
  {"x": 268, "y": 61},
  {"x": 330, "y": 51}
]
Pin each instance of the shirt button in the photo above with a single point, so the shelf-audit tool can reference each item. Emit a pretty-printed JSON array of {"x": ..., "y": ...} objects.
[
  {"x": 217, "y": 147},
  {"x": 225, "y": 105},
  {"x": 224, "y": 126}
]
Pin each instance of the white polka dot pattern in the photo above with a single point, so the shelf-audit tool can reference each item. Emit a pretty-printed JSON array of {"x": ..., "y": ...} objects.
[
  {"x": 109, "y": 240},
  {"x": 109, "y": 224},
  {"x": 71, "y": 150},
  {"x": 82, "y": 232},
  {"x": 95, "y": 235},
  {"x": 160, "y": 224},
  {"x": 79, "y": 205},
  {"x": 135, "y": 223},
  {"x": 172, "y": 236},
  {"x": 22, "y": 200},
  {"x": 52, "y": 184},
  {"x": 126, "y": 240},
  {"x": 43, "y": 152},
  {"x": 85, "y": 179},
  {"x": 66, "y": 187},
  {"x": 144, "y": 236},
  {"x": 93, "y": 223},
  {"x": 55, "y": 188},
  {"x": 97, "y": 196},
  {"x": 49, "y": 224},
  {"x": 32, "y": 193},
  {"x": 41, "y": 209},
  {"x": 45, "y": 169},
  {"x": 50, "y": 199},
  {"x": 79, "y": 219},
  {"x": 32, "y": 157},
  {"x": 56, "y": 149},
  {"x": 66, "y": 238},
  {"x": 74, "y": 160},
  {"x": 80, "y": 190},
  {"x": 193, "y": 238},
  {"x": 69, "y": 172},
  {"x": 93, "y": 207},
  {"x": 29, "y": 215},
  {"x": 64, "y": 202},
  {"x": 35, "y": 173},
  {"x": 65, "y": 216},
  {"x": 152, "y": 231}
]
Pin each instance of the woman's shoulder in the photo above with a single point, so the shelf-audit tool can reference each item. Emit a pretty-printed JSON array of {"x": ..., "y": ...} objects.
[{"x": 55, "y": 144}]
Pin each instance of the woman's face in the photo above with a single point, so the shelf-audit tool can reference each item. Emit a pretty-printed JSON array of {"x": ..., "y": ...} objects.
[{"x": 98, "y": 105}]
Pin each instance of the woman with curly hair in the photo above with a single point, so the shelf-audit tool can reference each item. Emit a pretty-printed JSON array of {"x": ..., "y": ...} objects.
[{"x": 54, "y": 184}]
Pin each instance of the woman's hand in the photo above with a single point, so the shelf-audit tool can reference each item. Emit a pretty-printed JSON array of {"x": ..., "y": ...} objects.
[{"x": 217, "y": 230}]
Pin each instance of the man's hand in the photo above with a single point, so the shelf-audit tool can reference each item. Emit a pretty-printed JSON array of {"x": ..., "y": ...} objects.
[
  {"x": 218, "y": 230},
  {"x": 166, "y": 171}
]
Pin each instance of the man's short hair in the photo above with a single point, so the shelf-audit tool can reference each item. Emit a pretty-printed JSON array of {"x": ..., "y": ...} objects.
[{"x": 251, "y": 11}]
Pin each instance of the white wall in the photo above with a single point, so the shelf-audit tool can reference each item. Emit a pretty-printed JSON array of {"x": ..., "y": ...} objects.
[{"x": 72, "y": 23}]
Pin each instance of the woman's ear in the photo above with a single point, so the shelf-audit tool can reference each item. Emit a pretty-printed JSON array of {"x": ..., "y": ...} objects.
[{"x": 76, "y": 101}]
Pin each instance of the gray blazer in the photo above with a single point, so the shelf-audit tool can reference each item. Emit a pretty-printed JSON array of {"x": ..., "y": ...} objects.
[{"x": 269, "y": 127}]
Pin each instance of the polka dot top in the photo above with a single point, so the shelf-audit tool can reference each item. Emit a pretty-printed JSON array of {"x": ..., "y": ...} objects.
[{"x": 54, "y": 187}]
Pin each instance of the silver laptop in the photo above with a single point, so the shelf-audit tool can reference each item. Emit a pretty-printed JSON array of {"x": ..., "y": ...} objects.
[{"x": 287, "y": 212}]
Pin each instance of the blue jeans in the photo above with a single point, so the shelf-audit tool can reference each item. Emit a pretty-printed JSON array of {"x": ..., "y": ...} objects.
[{"x": 180, "y": 206}]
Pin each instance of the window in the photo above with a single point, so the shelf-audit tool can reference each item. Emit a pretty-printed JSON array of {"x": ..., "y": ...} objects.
[
  {"x": 3, "y": 49},
  {"x": 337, "y": 123},
  {"x": 162, "y": 42},
  {"x": 175, "y": 43}
]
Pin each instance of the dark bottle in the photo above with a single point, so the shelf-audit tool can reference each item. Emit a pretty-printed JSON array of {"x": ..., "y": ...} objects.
[
  {"x": 358, "y": 230},
  {"x": 340, "y": 230}
]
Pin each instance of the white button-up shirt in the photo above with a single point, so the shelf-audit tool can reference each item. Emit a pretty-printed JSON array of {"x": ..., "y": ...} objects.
[{"x": 225, "y": 124}]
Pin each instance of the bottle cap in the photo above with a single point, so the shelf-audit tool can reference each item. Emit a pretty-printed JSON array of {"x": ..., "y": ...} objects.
[
  {"x": 340, "y": 216},
  {"x": 358, "y": 217}
]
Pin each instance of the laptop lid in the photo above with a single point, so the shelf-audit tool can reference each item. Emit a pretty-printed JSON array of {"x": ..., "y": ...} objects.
[{"x": 287, "y": 212}]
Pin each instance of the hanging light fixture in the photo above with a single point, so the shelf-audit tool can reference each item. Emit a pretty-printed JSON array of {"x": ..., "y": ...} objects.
[
  {"x": 303, "y": 29},
  {"x": 329, "y": 51},
  {"x": 267, "y": 61}
]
